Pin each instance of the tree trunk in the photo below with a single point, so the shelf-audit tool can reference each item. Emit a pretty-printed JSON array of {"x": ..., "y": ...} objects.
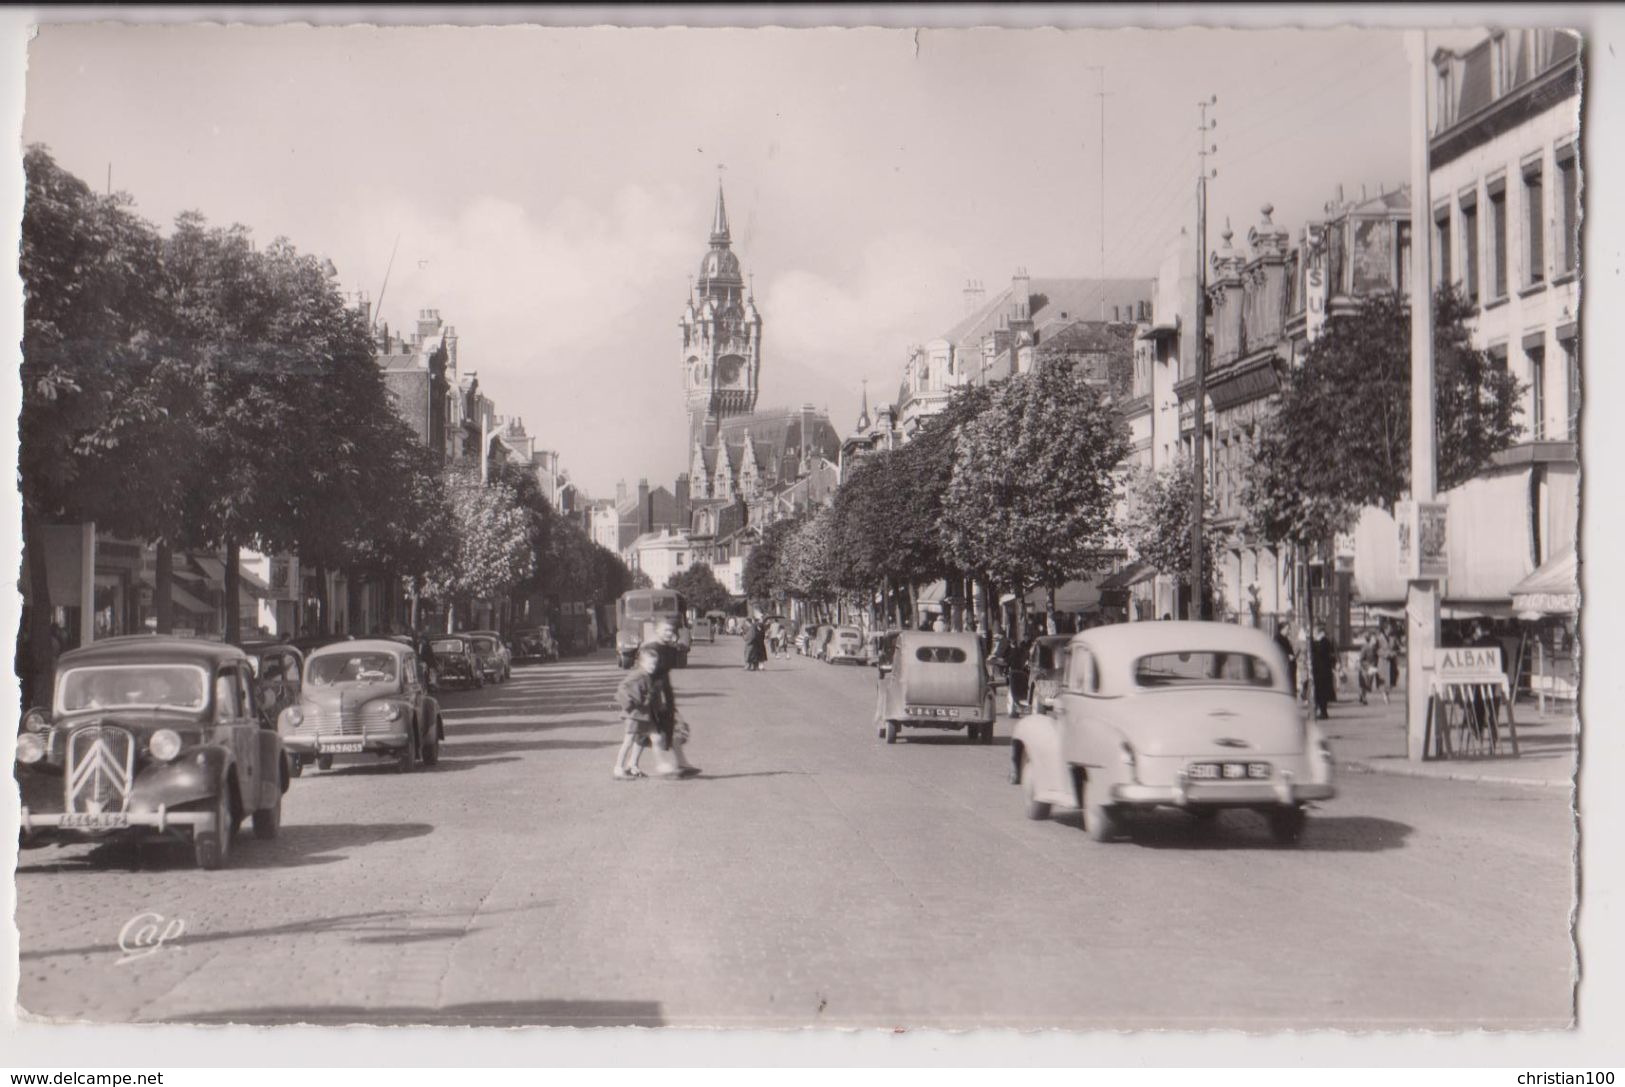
[
  {"x": 37, "y": 670},
  {"x": 163, "y": 580},
  {"x": 353, "y": 604},
  {"x": 1049, "y": 610},
  {"x": 234, "y": 577},
  {"x": 324, "y": 612}
]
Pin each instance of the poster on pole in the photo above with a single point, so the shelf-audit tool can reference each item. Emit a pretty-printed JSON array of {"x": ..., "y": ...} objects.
[{"x": 1423, "y": 540}]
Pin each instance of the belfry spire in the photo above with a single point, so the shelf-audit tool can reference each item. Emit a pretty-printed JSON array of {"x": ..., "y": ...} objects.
[{"x": 719, "y": 221}]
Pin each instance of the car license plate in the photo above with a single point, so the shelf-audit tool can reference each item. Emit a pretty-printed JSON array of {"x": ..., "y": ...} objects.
[
  {"x": 932, "y": 711},
  {"x": 99, "y": 820},
  {"x": 338, "y": 747},
  {"x": 1229, "y": 771}
]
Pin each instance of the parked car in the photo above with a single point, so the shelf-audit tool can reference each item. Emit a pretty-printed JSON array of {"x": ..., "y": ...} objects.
[
  {"x": 363, "y": 698},
  {"x": 1196, "y": 716},
  {"x": 1045, "y": 667},
  {"x": 534, "y": 645},
  {"x": 845, "y": 644},
  {"x": 494, "y": 658},
  {"x": 454, "y": 662},
  {"x": 277, "y": 671},
  {"x": 934, "y": 680},
  {"x": 151, "y": 736}
]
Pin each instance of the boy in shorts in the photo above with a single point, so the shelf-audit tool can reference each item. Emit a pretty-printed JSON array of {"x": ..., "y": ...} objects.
[{"x": 638, "y": 699}]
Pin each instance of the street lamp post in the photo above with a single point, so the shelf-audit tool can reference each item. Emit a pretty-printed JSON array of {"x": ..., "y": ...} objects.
[{"x": 1422, "y": 599}]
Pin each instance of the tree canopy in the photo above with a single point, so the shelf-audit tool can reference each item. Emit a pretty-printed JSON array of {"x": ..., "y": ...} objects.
[
  {"x": 1033, "y": 488},
  {"x": 700, "y": 586},
  {"x": 1340, "y": 436}
]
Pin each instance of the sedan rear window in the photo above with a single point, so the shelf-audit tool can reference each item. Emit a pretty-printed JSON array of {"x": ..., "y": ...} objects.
[
  {"x": 1203, "y": 669},
  {"x": 447, "y": 645},
  {"x": 940, "y": 654}
]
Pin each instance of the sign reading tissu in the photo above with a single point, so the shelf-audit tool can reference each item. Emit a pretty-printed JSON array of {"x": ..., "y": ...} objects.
[{"x": 1423, "y": 540}]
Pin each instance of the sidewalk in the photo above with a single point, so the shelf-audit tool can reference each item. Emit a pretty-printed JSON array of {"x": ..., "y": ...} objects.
[{"x": 1371, "y": 739}]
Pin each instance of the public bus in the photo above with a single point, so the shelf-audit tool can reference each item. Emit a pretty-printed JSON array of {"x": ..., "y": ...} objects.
[{"x": 639, "y": 611}]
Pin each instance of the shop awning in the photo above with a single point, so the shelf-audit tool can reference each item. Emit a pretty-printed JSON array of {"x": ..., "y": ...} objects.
[
  {"x": 933, "y": 593},
  {"x": 215, "y": 570},
  {"x": 1553, "y": 589},
  {"x": 1073, "y": 596},
  {"x": 1130, "y": 575}
]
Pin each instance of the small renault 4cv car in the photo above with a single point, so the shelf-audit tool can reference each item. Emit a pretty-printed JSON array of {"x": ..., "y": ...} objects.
[
  {"x": 1195, "y": 716},
  {"x": 151, "y": 737},
  {"x": 363, "y": 698},
  {"x": 935, "y": 680}
]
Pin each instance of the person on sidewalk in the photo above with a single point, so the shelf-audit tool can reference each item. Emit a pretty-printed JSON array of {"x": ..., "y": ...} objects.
[
  {"x": 1291, "y": 654},
  {"x": 1323, "y": 670}
]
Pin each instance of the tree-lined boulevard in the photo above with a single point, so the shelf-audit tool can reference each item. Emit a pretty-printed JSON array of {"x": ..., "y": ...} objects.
[{"x": 811, "y": 876}]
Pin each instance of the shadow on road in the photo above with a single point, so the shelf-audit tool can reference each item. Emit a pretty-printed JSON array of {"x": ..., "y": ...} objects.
[
  {"x": 372, "y": 927},
  {"x": 296, "y": 846},
  {"x": 1248, "y": 830},
  {"x": 460, "y": 749},
  {"x": 952, "y": 739},
  {"x": 703, "y": 776},
  {"x": 448, "y": 752},
  {"x": 513, "y": 1013}
]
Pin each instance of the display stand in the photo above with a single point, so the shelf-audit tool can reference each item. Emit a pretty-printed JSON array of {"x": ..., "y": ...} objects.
[{"x": 1464, "y": 718}]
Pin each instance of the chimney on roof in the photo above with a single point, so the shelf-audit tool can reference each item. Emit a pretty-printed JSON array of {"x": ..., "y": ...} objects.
[
  {"x": 1021, "y": 295},
  {"x": 645, "y": 508},
  {"x": 682, "y": 502},
  {"x": 620, "y": 492},
  {"x": 974, "y": 294},
  {"x": 428, "y": 323},
  {"x": 451, "y": 345}
]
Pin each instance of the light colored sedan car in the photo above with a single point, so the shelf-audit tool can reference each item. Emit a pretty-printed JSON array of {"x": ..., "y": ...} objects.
[
  {"x": 1196, "y": 716},
  {"x": 935, "y": 680},
  {"x": 846, "y": 644}
]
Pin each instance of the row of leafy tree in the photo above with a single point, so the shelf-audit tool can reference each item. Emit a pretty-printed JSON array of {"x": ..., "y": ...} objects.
[
  {"x": 1022, "y": 485},
  {"x": 198, "y": 391}
]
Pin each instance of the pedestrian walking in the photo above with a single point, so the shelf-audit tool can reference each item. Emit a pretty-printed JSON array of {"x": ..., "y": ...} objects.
[
  {"x": 1323, "y": 669},
  {"x": 1387, "y": 659},
  {"x": 775, "y": 638},
  {"x": 1370, "y": 670},
  {"x": 755, "y": 646}
]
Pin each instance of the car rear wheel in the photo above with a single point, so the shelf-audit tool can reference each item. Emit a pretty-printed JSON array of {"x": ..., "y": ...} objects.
[
  {"x": 211, "y": 849},
  {"x": 1036, "y": 809},
  {"x": 1287, "y": 824},
  {"x": 324, "y": 762},
  {"x": 267, "y": 821},
  {"x": 987, "y": 732},
  {"x": 1100, "y": 820},
  {"x": 891, "y": 732}
]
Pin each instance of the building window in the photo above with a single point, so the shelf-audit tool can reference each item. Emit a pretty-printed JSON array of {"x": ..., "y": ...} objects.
[
  {"x": 1441, "y": 243},
  {"x": 1501, "y": 71},
  {"x": 1534, "y": 208},
  {"x": 1445, "y": 86},
  {"x": 1469, "y": 247},
  {"x": 1568, "y": 208},
  {"x": 1402, "y": 276},
  {"x": 1497, "y": 194},
  {"x": 1571, "y": 360},
  {"x": 1498, "y": 356},
  {"x": 1537, "y": 391}
]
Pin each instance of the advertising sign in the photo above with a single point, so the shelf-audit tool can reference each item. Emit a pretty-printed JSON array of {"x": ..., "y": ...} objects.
[
  {"x": 1471, "y": 665},
  {"x": 284, "y": 583},
  {"x": 1314, "y": 282},
  {"x": 1423, "y": 540}
]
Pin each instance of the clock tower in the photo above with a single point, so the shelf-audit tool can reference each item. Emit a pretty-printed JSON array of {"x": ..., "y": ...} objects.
[{"x": 722, "y": 339}]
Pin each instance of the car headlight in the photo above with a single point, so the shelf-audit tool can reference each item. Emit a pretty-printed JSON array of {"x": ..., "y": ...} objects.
[
  {"x": 392, "y": 711},
  {"x": 30, "y": 748},
  {"x": 164, "y": 745},
  {"x": 292, "y": 718},
  {"x": 36, "y": 721}
]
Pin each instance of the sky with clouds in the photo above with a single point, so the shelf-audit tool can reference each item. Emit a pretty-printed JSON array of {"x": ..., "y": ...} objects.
[{"x": 551, "y": 189}]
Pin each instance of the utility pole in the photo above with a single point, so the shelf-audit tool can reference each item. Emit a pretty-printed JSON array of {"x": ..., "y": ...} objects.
[
  {"x": 1422, "y": 599},
  {"x": 1198, "y": 606},
  {"x": 1101, "y": 94}
]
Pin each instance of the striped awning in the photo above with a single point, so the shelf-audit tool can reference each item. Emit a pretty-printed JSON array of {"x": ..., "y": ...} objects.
[{"x": 1554, "y": 587}]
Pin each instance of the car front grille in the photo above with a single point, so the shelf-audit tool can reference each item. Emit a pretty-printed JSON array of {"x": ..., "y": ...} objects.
[
  {"x": 100, "y": 769},
  {"x": 330, "y": 723}
]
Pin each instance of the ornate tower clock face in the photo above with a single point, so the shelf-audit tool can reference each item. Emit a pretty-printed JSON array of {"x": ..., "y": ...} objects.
[{"x": 730, "y": 370}]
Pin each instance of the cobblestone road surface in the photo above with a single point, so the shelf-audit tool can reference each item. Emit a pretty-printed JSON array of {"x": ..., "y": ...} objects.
[{"x": 811, "y": 876}]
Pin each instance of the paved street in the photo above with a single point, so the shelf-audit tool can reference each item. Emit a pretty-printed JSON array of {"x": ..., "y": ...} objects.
[{"x": 811, "y": 876}]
